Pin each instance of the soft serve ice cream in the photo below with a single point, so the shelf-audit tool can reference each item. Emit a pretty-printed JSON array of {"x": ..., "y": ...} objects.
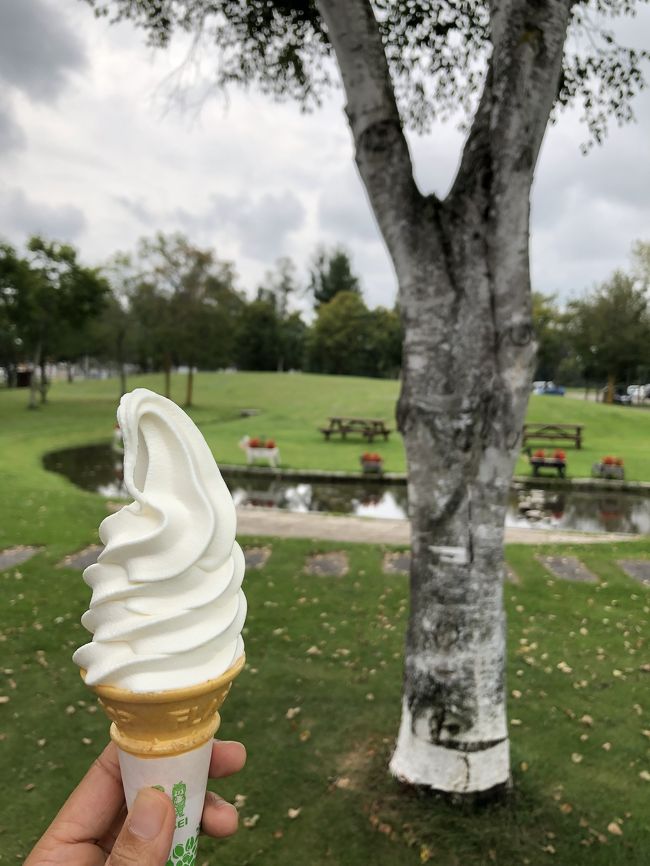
[{"x": 167, "y": 607}]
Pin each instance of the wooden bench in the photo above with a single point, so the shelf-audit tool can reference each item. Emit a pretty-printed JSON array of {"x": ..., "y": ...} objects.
[
  {"x": 369, "y": 428},
  {"x": 553, "y": 433}
]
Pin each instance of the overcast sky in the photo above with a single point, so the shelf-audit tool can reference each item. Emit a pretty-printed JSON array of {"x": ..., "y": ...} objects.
[{"x": 94, "y": 150}]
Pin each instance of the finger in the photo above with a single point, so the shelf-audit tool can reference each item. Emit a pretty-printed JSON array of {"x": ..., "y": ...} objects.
[
  {"x": 146, "y": 837},
  {"x": 219, "y": 817},
  {"x": 228, "y": 757}
]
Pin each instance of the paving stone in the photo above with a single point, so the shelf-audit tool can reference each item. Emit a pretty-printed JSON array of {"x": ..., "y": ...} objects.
[
  {"x": 333, "y": 564},
  {"x": 637, "y": 569},
  {"x": 397, "y": 562},
  {"x": 82, "y": 558},
  {"x": 568, "y": 568},
  {"x": 256, "y": 557},
  {"x": 16, "y": 555}
]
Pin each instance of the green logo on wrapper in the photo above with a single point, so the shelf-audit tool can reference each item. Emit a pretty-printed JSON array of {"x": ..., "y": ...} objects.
[
  {"x": 184, "y": 854},
  {"x": 179, "y": 796}
]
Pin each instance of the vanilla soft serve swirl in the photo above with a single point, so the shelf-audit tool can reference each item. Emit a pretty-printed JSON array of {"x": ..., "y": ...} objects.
[{"x": 167, "y": 607}]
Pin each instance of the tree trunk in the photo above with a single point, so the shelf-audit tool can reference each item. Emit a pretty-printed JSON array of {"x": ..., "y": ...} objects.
[
  {"x": 32, "y": 381},
  {"x": 69, "y": 372},
  {"x": 468, "y": 356},
  {"x": 121, "y": 336},
  {"x": 167, "y": 361},
  {"x": 43, "y": 383},
  {"x": 190, "y": 387},
  {"x": 610, "y": 388}
]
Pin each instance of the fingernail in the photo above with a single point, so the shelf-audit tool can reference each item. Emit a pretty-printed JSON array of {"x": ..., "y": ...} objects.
[{"x": 147, "y": 814}]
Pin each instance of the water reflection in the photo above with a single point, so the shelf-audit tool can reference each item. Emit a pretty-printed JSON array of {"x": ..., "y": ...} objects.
[{"x": 99, "y": 468}]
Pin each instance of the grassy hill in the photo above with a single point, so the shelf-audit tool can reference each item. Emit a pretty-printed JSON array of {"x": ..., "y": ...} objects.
[{"x": 291, "y": 408}]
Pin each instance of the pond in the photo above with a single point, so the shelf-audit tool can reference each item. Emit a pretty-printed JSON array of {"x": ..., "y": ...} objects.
[{"x": 99, "y": 468}]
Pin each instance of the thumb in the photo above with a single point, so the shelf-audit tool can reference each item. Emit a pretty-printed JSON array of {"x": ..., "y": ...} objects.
[{"x": 146, "y": 837}]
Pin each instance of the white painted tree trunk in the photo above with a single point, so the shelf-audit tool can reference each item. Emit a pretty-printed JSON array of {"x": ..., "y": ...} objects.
[{"x": 463, "y": 274}]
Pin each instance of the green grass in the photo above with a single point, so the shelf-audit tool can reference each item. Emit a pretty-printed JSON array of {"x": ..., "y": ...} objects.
[
  {"x": 348, "y": 694},
  {"x": 292, "y": 407}
]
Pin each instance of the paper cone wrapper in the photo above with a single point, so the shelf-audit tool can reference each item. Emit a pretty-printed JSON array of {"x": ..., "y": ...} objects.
[{"x": 165, "y": 741}]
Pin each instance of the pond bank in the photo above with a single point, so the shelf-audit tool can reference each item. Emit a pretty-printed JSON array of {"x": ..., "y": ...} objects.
[{"x": 586, "y": 485}]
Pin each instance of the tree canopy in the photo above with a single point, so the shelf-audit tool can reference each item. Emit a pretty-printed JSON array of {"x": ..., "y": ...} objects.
[{"x": 437, "y": 52}]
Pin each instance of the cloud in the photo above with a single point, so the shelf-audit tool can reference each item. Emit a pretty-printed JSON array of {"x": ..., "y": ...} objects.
[
  {"x": 260, "y": 225},
  {"x": 20, "y": 216},
  {"x": 344, "y": 211},
  {"x": 38, "y": 49},
  {"x": 12, "y": 136},
  {"x": 138, "y": 209}
]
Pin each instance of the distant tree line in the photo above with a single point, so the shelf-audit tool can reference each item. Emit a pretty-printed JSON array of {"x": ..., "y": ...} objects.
[
  {"x": 602, "y": 338},
  {"x": 172, "y": 304}
]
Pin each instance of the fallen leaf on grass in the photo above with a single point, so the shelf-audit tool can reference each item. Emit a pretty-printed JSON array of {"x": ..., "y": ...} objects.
[
  {"x": 587, "y": 720},
  {"x": 250, "y": 822},
  {"x": 425, "y": 854},
  {"x": 645, "y": 775},
  {"x": 566, "y": 808},
  {"x": 614, "y": 829},
  {"x": 4, "y": 699},
  {"x": 293, "y": 813},
  {"x": 240, "y": 801},
  {"x": 576, "y": 757},
  {"x": 607, "y": 747},
  {"x": 304, "y": 736},
  {"x": 343, "y": 782},
  {"x": 292, "y": 712}
]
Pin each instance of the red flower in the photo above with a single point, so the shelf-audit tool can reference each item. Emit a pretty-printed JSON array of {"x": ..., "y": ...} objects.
[
  {"x": 270, "y": 443},
  {"x": 254, "y": 443},
  {"x": 371, "y": 457},
  {"x": 608, "y": 461},
  {"x": 618, "y": 461},
  {"x": 559, "y": 455},
  {"x": 539, "y": 453}
]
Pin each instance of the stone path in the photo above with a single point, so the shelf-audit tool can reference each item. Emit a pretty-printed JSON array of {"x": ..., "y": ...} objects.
[
  {"x": 256, "y": 557},
  {"x": 397, "y": 562},
  {"x": 16, "y": 555},
  {"x": 331, "y": 564},
  {"x": 369, "y": 530},
  {"x": 568, "y": 568},
  {"x": 637, "y": 569},
  {"x": 82, "y": 558}
]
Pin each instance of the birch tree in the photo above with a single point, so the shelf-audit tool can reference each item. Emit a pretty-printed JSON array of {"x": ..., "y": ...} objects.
[{"x": 464, "y": 286}]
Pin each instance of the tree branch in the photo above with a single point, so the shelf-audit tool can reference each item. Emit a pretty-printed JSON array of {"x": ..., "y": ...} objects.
[
  {"x": 382, "y": 153},
  {"x": 521, "y": 85}
]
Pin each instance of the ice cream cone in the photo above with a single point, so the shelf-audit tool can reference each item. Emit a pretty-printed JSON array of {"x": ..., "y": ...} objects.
[
  {"x": 165, "y": 741},
  {"x": 158, "y": 724}
]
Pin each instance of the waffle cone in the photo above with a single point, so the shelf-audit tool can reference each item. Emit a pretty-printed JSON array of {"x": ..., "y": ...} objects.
[{"x": 162, "y": 724}]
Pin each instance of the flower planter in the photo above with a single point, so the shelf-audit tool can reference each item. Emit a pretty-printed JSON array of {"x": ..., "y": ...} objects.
[
  {"x": 371, "y": 467},
  {"x": 608, "y": 470}
]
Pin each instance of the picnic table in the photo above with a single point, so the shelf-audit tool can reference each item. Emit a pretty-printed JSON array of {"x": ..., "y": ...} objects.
[
  {"x": 367, "y": 427},
  {"x": 553, "y": 433}
]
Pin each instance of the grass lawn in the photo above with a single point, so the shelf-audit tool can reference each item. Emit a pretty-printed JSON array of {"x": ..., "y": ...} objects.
[
  {"x": 292, "y": 407},
  {"x": 579, "y": 710}
]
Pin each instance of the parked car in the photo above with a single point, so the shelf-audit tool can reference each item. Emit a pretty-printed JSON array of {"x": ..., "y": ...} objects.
[
  {"x": 548, "y": 389},
  {"x": 620, "y": 395},
  {"x": 638, "y": 393}
]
